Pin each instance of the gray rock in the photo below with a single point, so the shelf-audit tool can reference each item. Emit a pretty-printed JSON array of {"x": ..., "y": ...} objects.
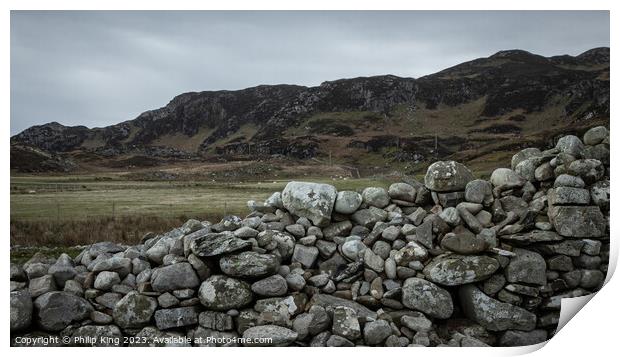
[
  {"x": 345, "y": 323},
  {"x": 295, "y": 282},
  {"x": 479, "y": 191},
  {"x": 214, "y": 244},
  {"x": 512, "y": 338},
  {"x": 527, "y": 169},
  {"x": 330, "y": 302},
  {"x": 134, "y": 310},
  {"x": 402, "y": 191},
  {"x": 493, "y": 314},
  {"x": 337, "y": 229},
  {"x": 249, "y": 265},
  {"x": 352, "y": 248},
  {"x": 526, "y": 267},
  {"x": 57, "y": 309},
  {"x": 600, "y": 194},
  {"x": 311, "y": 200},
  {"x": 590, "y": 170},
  {"x": 503, "y": 177},
  {"x": 463, "y": 241},
  {"x": 570, "y": 144},
  {"x": 451, "y": 216},
  {"x": 447, "y": 176},
  {"x": 416, "y": 321},
  {"x": 275, "y": 335},
  {"x": 167, "y": 300},
  {"x": 375, "y": 332},
  {"x": 100, "y": 318},
  {"x": 455, "y": 269},
  {"x": 347, "y": 202},
  {"x": 578, "y": 221},
  {"x": 178, "y": 317},
  {"x": 17, "y": 273},
  {"x": 568, "y": 196},
  {"x": 41, "y": 285},
  {"x": 419, "y": 294},
  {"x": 595, "y": 135},
  {"x": 376, "y": 196},
  {"x": 62, "y": 270},
  {"x": 544, "y": 172},
  {"x": 116, "y": 264},
  {"x": 21, "y": 310},
  {"x": 524, "y": 155},
  {"x": 274, "y": 285},
  {"x": 305, "y": 255},
  {"x": 214, "y": 320},
  {"x": 174, "y": 277},
  {"x": 373, "y": 261},
  {"x": 565, "y": 180},
  {"x": 338, "y": 341},
  {"x": 106, "y": 279},
  {"x": 368, "y": 217},
  {"x": 221, "y": 293}
]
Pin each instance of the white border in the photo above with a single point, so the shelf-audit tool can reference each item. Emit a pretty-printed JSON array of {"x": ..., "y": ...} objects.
[{"x": 593, "y": 330}]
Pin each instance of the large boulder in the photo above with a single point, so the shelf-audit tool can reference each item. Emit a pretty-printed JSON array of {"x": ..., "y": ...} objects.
[
  {"x": 595, "y": 135},
  {"x": 503, "y": 177},
  {"x": 174, "y": 277},
  {"x": 447, "y": 176},
  {"x": 376, "y": 196},
  {"x": 249, "y": 265},
  {"x": 214, "y": 244},
  {"x": 451, "y": 270},
  {"x": 21, "y": 310},
  {"x": 134, "y": 310},
  {"x": 570, "y": 144},
  {"x": 314, "y": 201},
  {"x": 419, "y": 294},
  {"x": 578, "y": 221},
  {"x": 57, "y": 309},
  {"x": 221, "y": 293},
  {"x": 493, "y": 314}
]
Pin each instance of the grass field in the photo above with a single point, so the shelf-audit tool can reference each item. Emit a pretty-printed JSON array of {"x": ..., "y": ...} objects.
[{"x": 66, "y": 211}]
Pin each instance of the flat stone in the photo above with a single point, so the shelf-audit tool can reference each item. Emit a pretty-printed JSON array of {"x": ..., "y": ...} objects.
[
  {"x": 578, "y": 221},
  {"x": 214, "y": 244},
  {"x": 269, "y": 335},
  {"x": 314, "y": 201},
  {"x": 177, "y": 317},
  {"x": 419, "y": 294},
  {"x": 455, "y": 269},
  {"x": 249, "y": 265}
]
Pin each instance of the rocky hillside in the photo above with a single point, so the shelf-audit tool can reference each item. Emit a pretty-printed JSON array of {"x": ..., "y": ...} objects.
[
  {"x": 454, "y": 261},
  {"x": 459, "y": 113}
]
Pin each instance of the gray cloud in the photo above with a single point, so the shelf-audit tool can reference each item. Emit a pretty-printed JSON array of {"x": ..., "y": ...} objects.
[{"x": 100, "y": 68}]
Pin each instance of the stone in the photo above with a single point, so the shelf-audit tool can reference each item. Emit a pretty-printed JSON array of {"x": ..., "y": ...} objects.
[
  {"x": 368, "y": 217},
  {"x": 373, "y": 261},
  {"x": 21, "y": 310},
  {"x": 352, "y": 248},
  {"x": 249, "y": 265},
  {"x": 116, "y": 264},
  {"x": 447, "y": 176},
  {"x": 565, "y": 180},
  {"x": 524, "y": 155},
  {"x": 463, "y": 241},
  {"x": 590, "y": 170},
  {"x": 451, "y": 216},
  {"x": 416, "y": 321},
  {"x": 419, "y": 294},
  {"x": 570, "y": 144},
  {"x": 221, "y": 293},
  {"x": 345, "y": 323},
  {"x": 214, "y": 320},
  {"x": 177, "y": 317},
  {"x": 57, "y": 309},
  {"x": 527, "y": 169},
  {"x": 596, "y": 135},
  {"x": 347, "y": 202},
  {"x": 402, "y": 191},
  {"x": 174, "y": 277},
  {"x": 578, "y": 221},
  {"x": 305, "y": 255},
  {"x": 106, "y": 279},
  {"x": 311, "y": 200},
  {"x": 134, "y": 310},
  {"x": 295, "y": 282},
  {"x": 600, "y": 194},
  {"x": 62, "y": 270},
  {"x": 330, "y": 302},
  {"x": 568, "y": 196},
  {"x": 526, "y": 267},
  {"x": 513, "y": 338},
  {"x": 503, "y": 177},
  {"x": 544, "y": 172},
  {"x": 376, "y": 196},
  {"x": 375, "y": 332},
  {"x": 591, "y": 279},
  {"x": 269, "y": 335},
  {"x": 479, "y": 191},
  {"x": 41, "y": 285},
  {"x": 274, "y": 285},
  {"x": 214, "y": 244},
  {"x": 455, "y": 269},
  {"x": 100, "y": 318},
  {"x": 493, "y": 314},
  {"x": 337, "y": 229}
]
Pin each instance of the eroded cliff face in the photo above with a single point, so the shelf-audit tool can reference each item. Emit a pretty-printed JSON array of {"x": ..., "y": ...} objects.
[{"x": 508, "y": 92}]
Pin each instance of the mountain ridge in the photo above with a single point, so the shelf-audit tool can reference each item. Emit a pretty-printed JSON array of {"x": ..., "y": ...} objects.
[{"x": 501, "y": 93}]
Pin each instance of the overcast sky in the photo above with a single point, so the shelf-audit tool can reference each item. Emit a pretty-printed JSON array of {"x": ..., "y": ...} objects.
[{"x": 101, "y": 68}]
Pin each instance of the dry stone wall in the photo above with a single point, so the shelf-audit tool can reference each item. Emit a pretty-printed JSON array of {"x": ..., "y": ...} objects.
[{"x": 453, "y": 261}]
